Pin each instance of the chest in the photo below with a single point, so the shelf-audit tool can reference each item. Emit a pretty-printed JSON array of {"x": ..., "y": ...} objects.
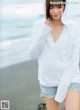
[
  {"x": 56, "y": 33},
  {"x": 63, "y": 46}
]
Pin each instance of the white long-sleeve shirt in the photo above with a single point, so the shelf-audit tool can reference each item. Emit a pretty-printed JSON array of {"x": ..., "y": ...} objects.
[{"x": 58, "y": 63}]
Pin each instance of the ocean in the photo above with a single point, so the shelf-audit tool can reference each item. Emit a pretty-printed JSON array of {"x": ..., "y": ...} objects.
[{"x": 16, "y": 22}]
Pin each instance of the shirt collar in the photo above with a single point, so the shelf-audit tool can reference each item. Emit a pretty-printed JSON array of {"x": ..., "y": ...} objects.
[{"x": 65, "y": 21}]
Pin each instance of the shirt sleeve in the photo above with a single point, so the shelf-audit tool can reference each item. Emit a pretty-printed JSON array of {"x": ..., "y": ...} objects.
[
  {"x": 37, "y": 41},
  {"x": 69, "y": 72}
]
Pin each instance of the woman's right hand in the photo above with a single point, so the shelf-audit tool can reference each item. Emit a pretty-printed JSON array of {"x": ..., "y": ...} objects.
[{"x": 49, "y": 23}]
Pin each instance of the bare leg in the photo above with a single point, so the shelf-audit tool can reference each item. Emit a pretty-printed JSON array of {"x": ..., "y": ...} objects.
[
  {"x": 51, "y": 104},
  {"x": 72, "y": 101}
]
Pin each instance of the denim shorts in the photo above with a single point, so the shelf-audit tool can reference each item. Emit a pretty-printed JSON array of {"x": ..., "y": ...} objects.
[{"x": 50, "y": 92}]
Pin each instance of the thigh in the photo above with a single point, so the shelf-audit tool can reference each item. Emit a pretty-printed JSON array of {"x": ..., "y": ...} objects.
[
  {"x": 72, "y": 100},
  {"x": 49, "y": 94},
  {"x": 51, "y": 104}
]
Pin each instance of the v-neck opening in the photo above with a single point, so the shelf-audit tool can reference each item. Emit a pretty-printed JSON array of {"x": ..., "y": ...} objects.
[{"x": 58, "y": 38}]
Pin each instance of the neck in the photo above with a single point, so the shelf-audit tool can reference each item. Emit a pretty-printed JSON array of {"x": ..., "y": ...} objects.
[{"x": 57, "y": 23}]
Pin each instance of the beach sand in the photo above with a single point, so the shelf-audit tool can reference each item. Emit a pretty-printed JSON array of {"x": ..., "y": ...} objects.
[{"x": 19, "y": 85}]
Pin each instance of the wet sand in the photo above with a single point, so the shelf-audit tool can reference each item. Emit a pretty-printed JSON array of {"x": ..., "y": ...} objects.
[{"x": 19, "y": 84}]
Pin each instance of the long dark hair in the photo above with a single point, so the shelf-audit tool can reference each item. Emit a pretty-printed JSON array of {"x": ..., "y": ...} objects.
[{"x": 48, "y": 6}]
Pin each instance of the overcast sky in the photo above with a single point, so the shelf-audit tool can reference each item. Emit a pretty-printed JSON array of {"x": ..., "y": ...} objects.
[{"x": 13, "y": 2}]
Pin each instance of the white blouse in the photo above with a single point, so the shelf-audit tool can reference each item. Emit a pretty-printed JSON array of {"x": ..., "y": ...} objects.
[{"x": 58, "y": 62}]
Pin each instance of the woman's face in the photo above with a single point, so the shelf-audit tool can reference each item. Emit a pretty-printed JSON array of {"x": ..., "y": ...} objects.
[{"x": 56, "y": 11}]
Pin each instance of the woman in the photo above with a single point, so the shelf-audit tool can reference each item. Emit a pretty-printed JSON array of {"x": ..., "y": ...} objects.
[{"x": 56, "y": 45}]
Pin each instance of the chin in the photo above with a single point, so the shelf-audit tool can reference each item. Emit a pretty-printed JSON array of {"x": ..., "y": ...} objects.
[{"x": 56, "y": 18}]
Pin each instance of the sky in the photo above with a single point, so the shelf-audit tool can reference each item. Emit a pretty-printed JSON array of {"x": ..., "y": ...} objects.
[{"x": 13, "y": 2}]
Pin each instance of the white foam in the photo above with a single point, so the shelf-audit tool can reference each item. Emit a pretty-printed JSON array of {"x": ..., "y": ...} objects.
[
  {"x": 8, "y": 43},
  {"x": 13, "y": 51}
]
